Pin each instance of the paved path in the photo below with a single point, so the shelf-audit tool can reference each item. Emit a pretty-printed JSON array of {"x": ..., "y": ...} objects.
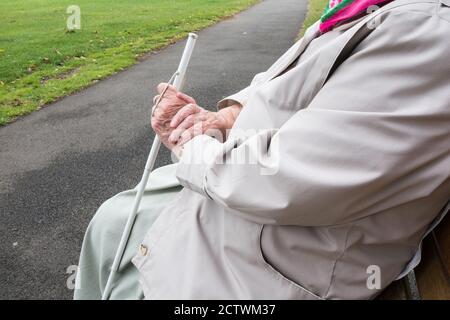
[{"x": 59, "y": 164}]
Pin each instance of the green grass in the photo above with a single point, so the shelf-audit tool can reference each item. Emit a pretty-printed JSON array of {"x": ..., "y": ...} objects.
[
  {"x": 315, "y": 10},
  {"x": 40, "y": 61}
]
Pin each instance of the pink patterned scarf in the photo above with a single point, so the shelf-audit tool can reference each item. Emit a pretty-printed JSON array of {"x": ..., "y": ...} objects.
[{"x": 341, "y": 11}]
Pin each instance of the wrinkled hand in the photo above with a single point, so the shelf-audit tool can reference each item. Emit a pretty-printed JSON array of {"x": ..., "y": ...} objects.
[
  {"x": 178, "y": 119},
  {"x": 169, "y": 105}
]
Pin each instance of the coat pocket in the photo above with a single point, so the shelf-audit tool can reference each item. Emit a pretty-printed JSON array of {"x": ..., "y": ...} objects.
[{"x": 300, "y": 292}]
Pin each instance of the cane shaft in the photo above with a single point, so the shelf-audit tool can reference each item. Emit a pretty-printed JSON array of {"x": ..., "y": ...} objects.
[{"x": 178, "y": 83}]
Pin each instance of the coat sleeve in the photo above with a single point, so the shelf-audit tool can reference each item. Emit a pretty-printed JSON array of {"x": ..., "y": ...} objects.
[{"x": 376, "y": 136}]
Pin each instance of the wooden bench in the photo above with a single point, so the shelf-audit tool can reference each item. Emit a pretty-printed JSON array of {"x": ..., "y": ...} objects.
[{"x": 430, "y": 280}]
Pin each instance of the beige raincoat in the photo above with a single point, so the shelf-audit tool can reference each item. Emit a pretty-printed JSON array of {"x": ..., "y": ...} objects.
[{"x": 361, "y": 169}]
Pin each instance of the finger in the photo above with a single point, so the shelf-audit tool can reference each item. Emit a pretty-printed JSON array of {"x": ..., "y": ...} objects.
[
  {"x": 188, "y": 122},
  {"x": 183, "y": 113},
  {"x": 160, "y": 88},
  {"x": 175, "y": 135},
  {"x": 185, "y": 98},
  {"x": 190, "y": 133},
  {"x": 155, "y": 99},
  {"x": 156, "y": 124}
]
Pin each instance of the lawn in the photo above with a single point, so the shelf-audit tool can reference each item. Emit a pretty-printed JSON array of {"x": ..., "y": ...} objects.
[
  {"x": 315, "y": 10},
  {"x": 40, "y": 60}
]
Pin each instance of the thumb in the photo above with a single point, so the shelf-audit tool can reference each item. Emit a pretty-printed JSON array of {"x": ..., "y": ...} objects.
[{"x": 160, "y": 88}]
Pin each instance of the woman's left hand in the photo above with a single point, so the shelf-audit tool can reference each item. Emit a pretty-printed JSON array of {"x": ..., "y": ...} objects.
[{"x": 193, "y": 120}]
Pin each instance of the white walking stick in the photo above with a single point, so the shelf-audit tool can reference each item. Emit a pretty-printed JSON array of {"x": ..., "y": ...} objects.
[{"x": 178, "y": 81}]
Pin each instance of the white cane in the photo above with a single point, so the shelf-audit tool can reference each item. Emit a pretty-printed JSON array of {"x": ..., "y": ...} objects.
[{"x": 178, "y": 81}]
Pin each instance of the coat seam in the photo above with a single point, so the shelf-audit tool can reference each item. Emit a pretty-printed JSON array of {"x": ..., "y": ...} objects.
[{"x": 341, "y": 255}]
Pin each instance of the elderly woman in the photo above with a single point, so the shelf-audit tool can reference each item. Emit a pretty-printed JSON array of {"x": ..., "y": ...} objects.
[{"x": 336, "y": 165}]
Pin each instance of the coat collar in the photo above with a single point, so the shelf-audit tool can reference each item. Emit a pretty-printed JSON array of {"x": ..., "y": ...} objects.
[{"x": 351, "y": 29}]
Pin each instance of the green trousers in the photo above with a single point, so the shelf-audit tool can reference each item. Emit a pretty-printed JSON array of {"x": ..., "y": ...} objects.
[{"x": 105, "y": 229}]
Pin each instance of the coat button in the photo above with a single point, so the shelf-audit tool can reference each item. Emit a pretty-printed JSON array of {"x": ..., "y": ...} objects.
[{"x": 143, "y": 250}]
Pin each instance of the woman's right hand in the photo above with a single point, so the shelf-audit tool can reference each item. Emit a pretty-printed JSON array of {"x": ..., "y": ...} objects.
[{"x": 171, "y": 102}]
